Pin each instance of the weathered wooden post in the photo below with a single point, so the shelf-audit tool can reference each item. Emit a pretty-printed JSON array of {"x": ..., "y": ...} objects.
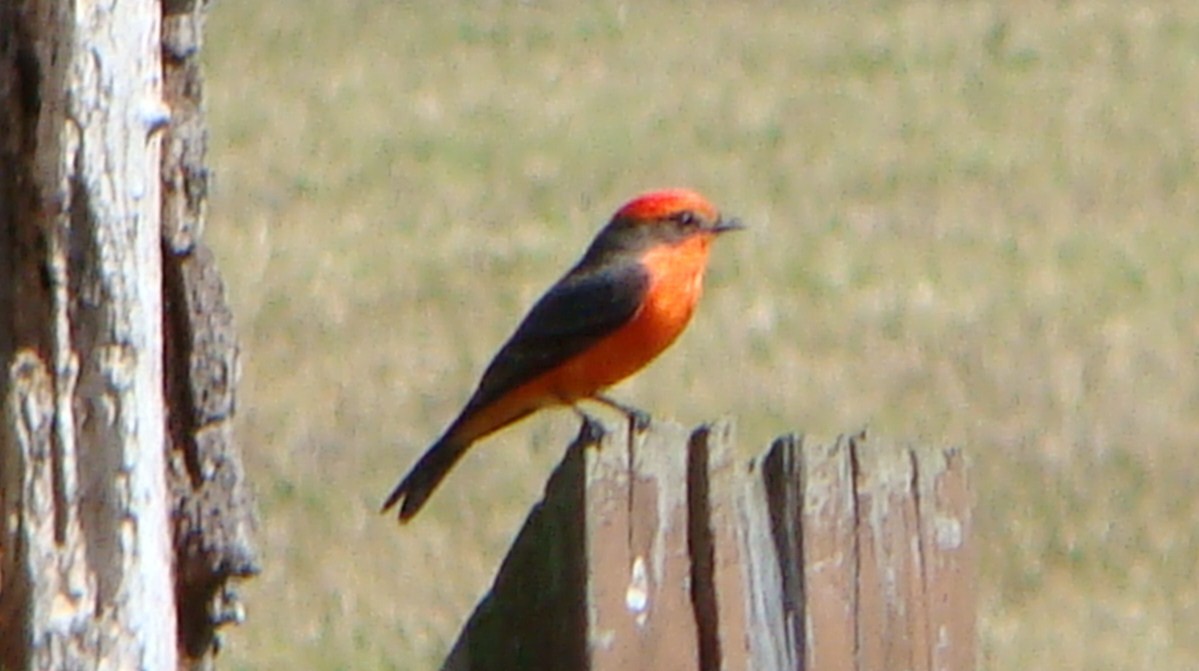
[
  {"x": 869, "y": 563},
  {"x": 665, "y": 553},
  {"x": 122, "y": 494}
]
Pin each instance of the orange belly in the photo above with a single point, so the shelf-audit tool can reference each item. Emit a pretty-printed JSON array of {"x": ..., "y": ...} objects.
[{"x": 676, "y": 282}]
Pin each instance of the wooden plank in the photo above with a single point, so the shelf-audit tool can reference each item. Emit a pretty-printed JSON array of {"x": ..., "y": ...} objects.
[
  {"x": 892, "y": 610},
  {"x": 772, "y": 604},
  {"x": 946, "y": 529},
  {"x": 599, "y": 576},
  {"x": 639, "y": 574},
  {"x": 830, "y": 555},
  {"x": 718, "y": 578},
  {"x": 535, "y": 616}
]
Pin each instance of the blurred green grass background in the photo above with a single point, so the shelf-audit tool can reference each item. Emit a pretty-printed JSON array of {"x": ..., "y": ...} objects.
[{"x": 973, "y": 223}]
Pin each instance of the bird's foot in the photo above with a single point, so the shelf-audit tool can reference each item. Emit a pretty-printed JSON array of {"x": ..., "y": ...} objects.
[
  {"x": 591, "y": 431},
  {"x": 639, "y": 420}
]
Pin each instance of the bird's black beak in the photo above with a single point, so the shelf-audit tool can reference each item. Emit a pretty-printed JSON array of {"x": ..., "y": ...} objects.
[{"x": 725, "y": 225}]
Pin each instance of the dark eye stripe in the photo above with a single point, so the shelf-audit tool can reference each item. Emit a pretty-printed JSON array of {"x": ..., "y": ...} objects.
[{"x": 686, "y": 218}]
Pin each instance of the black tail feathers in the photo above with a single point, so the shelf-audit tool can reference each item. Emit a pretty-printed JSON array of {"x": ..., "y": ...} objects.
[{"x": 423, "y": 479}]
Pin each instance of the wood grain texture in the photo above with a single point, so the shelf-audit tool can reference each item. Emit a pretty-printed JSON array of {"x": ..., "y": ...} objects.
[
  {"x": 639, "y": 573},
  {"x": 830, "y": 558},
  {"x": 535, "y": 615},
  {"x": 89, "y": 224},
  {"x": 84, "y": 221},
  {"x": 719, "y": 575},
  {"x": 851, "y": 555}
]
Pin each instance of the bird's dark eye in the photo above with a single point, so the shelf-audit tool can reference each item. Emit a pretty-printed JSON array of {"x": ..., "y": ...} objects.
[{"x": 686, "y": 219}]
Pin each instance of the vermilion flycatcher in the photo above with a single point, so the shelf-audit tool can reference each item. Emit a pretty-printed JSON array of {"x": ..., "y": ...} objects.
[{"x": 625, "y": 302}]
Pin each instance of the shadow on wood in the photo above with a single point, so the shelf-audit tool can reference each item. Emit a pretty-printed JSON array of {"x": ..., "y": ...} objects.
[{"x": 658, "y": 551}]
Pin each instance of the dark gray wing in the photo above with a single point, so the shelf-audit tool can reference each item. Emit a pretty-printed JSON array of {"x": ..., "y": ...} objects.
[{"x": 575, "y": 313}]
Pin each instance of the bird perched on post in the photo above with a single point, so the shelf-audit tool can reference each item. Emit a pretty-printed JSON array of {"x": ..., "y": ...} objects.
[{"x": 618, "y": 308}]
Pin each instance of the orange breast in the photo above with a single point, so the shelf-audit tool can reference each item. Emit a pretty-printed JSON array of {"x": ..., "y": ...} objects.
[{"x": 676, "y": 282}]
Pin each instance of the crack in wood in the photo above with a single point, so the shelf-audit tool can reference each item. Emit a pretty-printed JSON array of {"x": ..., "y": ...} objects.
[
  {"x": 855, "y": 480},
  {"x": 702, "y": 551}
]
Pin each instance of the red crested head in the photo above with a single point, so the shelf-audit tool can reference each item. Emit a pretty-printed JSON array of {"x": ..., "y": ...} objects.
[
  {"x": 666, "y": 203},
  {"x": 669, "y": 216}
]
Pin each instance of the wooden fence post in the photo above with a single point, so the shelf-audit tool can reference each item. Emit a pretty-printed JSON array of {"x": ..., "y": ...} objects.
[
  {"x": 659, "y": 551},
  {"x": 126, "y": 511}
]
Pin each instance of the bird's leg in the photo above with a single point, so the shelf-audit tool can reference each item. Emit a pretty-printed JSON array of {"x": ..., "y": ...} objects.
[
  {"x": 592, "y": 430},
  {"x": 639, "y": 420}
]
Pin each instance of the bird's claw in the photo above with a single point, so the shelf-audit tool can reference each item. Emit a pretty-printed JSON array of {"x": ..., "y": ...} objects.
[
  {"x": 639, "y": 420},
  {"x": 591, "y": 431}
]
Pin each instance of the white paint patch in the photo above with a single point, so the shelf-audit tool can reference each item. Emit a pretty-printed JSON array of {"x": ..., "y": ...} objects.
[
  {"x": 948, "y": 533},
  {"x": 636, "y": 597}
]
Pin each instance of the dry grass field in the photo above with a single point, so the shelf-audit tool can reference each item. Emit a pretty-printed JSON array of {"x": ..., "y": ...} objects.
[{"x": 972, "y": 223}]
